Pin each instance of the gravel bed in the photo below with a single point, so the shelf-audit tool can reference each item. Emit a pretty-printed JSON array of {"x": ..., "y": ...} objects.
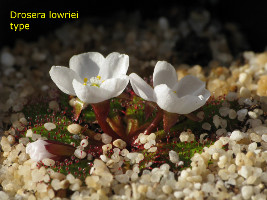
[{"x": 238, "y": 172}]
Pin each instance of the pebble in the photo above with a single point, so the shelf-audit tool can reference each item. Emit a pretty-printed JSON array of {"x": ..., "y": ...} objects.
[
  {"x": 48, "y": 162},
  {"x": 143, "y": 138},
  {"x": 216, "y": 121},
  {"x": 264, "y": 137},
  {"x": 206, "y": 126},
  {"x": 252, "y": 115},
  {"x": 56, "y": 184},
  {"x": 243, "y": 78},
  {"x": 84, "y": 143},
  {"x": 119, "y": 143},
  {"x": 255, "y": 137},
  {"x": 166, "y": 189},
  {"x": 244, "y": 92},
  {"x": 231, "y": 96},
  {"x": 187, "y": 136},
  {"x": 260, "y": 130},
  {"x": 80, "y": 154},
  {"x": 262, "y": 86},
  {"x": 163, "y": 23},
  {"x": 124, "y": 152},
  {"x": 153, "y": 149},
  {"x": 232, "y": 114},
  {"x": 237, "y": 135},
  {"x": 106, "y": 148},
  {"x": 247, "y": 192},
  {"x": 151, "y": 137},
  {"x": 49, "y": 126},
  {"x": 241, "y": 114},
  {"x": 89, "y": 156},
  {"x": 122, "y": 178},
  {"x": 142, "y": 189},
  {"x": 221, "y": 132},
  {"x": 4, "y": 196},
  {"x": 29, "y": 133},
  {"x": 224, "y": 111},
  {"x": 174, "y": 157},
  {"x": 252, "y": 146},
  {"x": 11, "y": 139},
  {"x": 178, "y": 194},
  {"x": 74, "y": 128},
  {"x": 91, "y": 181},
  {"x": 106, "y": 139},
  {"x": 7, "y": 59}
]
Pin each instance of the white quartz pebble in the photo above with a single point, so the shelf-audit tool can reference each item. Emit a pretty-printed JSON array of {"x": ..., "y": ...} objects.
[{"x": 49, "y": 126}]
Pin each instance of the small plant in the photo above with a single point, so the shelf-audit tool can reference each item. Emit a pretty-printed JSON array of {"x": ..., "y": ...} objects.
[
  {"x": 106, "y": 110},
  {"x": 95, "y": 80}
]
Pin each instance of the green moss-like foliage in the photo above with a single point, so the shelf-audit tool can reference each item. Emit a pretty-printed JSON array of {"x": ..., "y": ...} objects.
[
  {"x": 185, "y": 151},
  {"x": 132, "y": 110}
]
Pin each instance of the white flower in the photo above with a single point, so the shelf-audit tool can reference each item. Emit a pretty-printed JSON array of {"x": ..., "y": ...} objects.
[
  {"x": 37, "y": 150},
  {"x": 181, "y": 97},
  {"x": 91, "y": 77},
  {"x": 55, "y": 150}
]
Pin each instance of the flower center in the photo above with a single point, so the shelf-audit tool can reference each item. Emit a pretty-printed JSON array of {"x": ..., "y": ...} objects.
[{"x": 94, "y": 81}]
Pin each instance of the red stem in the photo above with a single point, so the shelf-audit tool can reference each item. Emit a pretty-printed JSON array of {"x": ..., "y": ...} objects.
[
  {"x": 101, "y": 112},
  {"x": 155, "y": 122}
]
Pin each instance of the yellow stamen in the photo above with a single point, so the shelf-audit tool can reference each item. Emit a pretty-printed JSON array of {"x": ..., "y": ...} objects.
[
  {"x": 85, "y": 81},
  {"x": 174, "y": 91},
  {"x": 94, "y": 84},
  {"x": 98, "y": 77}
]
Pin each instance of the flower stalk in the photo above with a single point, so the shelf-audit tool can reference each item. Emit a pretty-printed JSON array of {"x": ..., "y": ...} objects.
[
  {"x": 155, "y": 122},
  {"x": 101, "y": 113}
]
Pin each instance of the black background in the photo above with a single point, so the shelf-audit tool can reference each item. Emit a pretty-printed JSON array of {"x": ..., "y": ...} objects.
[{"x": 250, "y": 16}]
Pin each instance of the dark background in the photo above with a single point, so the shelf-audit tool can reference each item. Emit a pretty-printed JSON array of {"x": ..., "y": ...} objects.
[{"x": 250, "y": 16}]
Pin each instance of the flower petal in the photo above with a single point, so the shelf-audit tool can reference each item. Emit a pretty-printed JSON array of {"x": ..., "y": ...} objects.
[
  {"x": 109, "y": 89},
  {"x": 37, "y": 150},
  {"x": 141, "y": 88},
  {"x": 115, "y": 65},
  {"x": 115, "y": 85},
  {"x": 189, "y": 85},
  {"x": 87, "y": 93},
  {"x": 63, "y": 77},
  {"x": 164, "y": 73},
  {"x": 87, "y": 65},
  {"x": 169, "y": 101}
]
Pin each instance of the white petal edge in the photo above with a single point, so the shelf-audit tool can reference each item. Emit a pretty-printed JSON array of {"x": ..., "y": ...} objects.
[
  {"x": 189, "y": 85},
  {"x": 37, "y": 150},
  {"x": 87, "y": 65},
  {"x": 109, "y": 89},
  {"x": 63, "y": 77},
  {"x": 164, "y": 73},
  {"x": 114, "y": 65},
  {"x": 142, "y": 88},
  {"x": 169, "y": 101}
]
